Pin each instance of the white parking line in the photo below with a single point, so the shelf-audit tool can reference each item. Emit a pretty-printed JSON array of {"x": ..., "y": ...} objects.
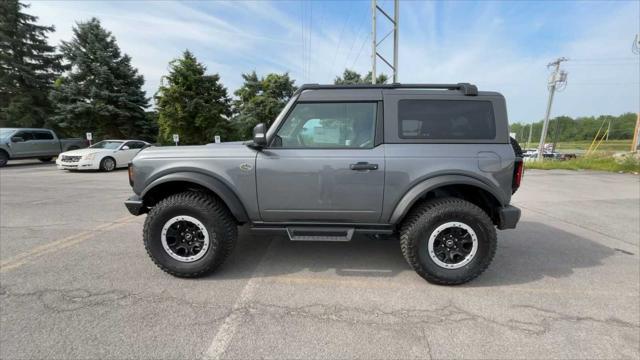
[{"x": 226, "y": 332}]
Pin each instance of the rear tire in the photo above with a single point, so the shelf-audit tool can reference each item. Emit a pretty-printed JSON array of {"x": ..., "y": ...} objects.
[
  {"x": 4, "y": 158},
  {"x": 108, "y": 164},
  {"x": 213, "y": 223},
  {"x": 45, "y": 159},
  {"x": 434, "y": 241}
]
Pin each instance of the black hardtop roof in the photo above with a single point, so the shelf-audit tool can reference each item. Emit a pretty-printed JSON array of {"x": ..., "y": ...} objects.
[{"x": 465, "y": 88}]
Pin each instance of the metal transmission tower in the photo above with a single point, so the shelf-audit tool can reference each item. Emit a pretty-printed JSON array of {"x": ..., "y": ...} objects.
[
  {"x": 557, "y": 80},
  {"x": 374, "y": 39}
]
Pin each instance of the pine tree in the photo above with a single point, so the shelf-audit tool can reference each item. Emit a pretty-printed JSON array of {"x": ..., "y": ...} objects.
[
  {"x": 102, "y": 93},
  {"x": 28, "y": 68},
  {"x": 260, "y": 101},
  {"x": 192, "y": 104}
]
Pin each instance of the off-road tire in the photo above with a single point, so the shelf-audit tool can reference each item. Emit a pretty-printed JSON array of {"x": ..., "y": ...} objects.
[
  {"x": 213, "y": 214},
  {"x": 4, "y": 158},
  {"x": 425, "y": 218},
  {"x": 45, "y": 159},
  {"x": 103, "y": 166}
]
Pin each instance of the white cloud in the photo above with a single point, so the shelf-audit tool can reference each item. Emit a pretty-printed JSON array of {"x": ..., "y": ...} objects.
[{"x": 439, "y": 42}]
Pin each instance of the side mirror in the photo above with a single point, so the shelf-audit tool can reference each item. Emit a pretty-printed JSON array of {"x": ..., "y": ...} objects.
[
  {"x": 17, "y": 139},
  {"x": 260, "y": 135},
  {"x": 125, "y": 147}
]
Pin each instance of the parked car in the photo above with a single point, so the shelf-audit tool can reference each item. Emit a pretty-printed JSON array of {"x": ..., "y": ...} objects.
[
  {"x": 433, "y": 164},
  {"x": 105, "y": 155},
  {"x": 42, "y": 144}
]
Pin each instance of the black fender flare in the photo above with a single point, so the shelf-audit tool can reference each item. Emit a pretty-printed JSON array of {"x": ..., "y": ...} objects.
[
  {"x": 423, "y": 187},
  {"x": 207, "y": 181}
]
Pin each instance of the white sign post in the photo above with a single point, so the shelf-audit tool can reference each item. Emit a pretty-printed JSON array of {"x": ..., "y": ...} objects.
[
  {"x": 217, "y": 139},
  {"x": 176, "y": 139},
  {"x": 89, "y": 137}
]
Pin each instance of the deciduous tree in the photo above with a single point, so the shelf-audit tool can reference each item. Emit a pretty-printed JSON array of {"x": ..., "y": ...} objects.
[{"x": 260, "y": 100}]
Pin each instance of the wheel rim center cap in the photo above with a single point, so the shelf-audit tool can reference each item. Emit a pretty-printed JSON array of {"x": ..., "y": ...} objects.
[
  {"x": 448, "y": 243},
  {"x": 188, "y": 236}
]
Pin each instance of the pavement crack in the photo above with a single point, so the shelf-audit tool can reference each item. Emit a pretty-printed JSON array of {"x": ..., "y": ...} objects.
[{"x": 439, "y": 316}]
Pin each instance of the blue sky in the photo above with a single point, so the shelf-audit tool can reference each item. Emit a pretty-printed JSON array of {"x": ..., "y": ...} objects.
[{"x": 502, "y": 46}]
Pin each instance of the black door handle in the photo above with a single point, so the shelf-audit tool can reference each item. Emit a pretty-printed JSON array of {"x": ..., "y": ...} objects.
[{"x": 362, "y": 165}]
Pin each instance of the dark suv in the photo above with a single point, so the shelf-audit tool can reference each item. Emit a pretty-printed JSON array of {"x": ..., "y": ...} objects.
[{"x": 433, "y": 164}]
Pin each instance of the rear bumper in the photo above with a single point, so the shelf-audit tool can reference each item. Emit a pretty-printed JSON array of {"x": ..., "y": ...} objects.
[
  {"x": 135, "y": 205},
  {"x": 508, "y": 217}
]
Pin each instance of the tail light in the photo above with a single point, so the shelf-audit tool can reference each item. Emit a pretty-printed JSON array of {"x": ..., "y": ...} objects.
[
  {"x": 518, "y": 172},
  {"x": 130, "y": 170}
]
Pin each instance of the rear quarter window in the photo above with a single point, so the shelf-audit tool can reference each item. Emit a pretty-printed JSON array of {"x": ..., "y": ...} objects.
[
  {"x": 43, "y": 135},
  {"x": 446, "y": 120}
]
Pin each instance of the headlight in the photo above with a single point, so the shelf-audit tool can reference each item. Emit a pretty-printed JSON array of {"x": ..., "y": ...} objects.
[{"x": 89, "y": 156}]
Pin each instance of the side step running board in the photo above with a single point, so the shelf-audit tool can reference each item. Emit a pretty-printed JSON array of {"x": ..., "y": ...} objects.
[{"x": 308, "y": 233}]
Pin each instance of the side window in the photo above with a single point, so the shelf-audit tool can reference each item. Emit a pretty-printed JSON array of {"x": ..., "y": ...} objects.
[
  {"x": 26, "y": 135},
  {"x": 43, "y": 135},
  {"x": 446, "y": 120},
  {"x": 135, "y": 144},
  {"x": 328, "y": 125}
]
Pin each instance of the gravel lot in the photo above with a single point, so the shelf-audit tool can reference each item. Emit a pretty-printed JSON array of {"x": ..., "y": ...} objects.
[{"x": 75, "y": 282}]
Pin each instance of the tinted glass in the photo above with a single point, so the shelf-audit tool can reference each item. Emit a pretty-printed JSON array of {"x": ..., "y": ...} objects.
[
  {"x": 113, "y": 145},
  {"x": 135, "y": 144},
  {"x": 446, "y": 120},
  {"x": 26, "y": 135},
  {"x": 329, "y": 125},
  {"x": 43, "y": 135}
]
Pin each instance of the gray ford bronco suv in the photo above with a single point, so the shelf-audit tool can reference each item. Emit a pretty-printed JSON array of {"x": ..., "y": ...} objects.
[{"x": 432, "y": 163}]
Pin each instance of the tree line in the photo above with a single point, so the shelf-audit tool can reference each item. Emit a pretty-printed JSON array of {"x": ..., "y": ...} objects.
[
  {"x": 566, "y": 128},
  {"x": 88, "y": 84}
]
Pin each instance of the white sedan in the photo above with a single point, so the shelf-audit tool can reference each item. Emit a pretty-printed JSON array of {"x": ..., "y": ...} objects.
[{"x": 105, "y": 155}]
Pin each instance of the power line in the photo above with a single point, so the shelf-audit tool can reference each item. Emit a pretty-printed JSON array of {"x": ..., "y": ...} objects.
[
  {"x": 355, "y": 39},
  {"x": 310, "y": 58},
  {"x": 360, "y": 51},
  {"x": 335, "y": 55}
]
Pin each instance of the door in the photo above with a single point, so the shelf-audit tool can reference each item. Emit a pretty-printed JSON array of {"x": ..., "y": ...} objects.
[
  {"x": 124, "y": 155},
  {"x": 24, "y": 148},
  {"x": 46, "y": 144},
  {"x": 323, "y": 166}
]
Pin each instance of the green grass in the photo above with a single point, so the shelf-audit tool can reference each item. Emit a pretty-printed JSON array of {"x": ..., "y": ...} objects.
[
  {"x": 628, "y": 164},
  {"x": 611, "y": 145}
]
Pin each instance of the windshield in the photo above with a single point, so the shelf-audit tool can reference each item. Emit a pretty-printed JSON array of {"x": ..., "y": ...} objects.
[
  {"x": 6, "y": 132},
  {"x": 113, "y": 145}
]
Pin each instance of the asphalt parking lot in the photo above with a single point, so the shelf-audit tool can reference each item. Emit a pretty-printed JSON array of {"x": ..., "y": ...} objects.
[{"x": 75, "y": 282}]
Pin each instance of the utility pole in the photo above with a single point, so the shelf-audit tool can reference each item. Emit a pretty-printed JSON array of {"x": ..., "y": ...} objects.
[
  {"x": 530, "y": 132},
  {"x": 558, "y": 79},
  {"x": 374, "y": 39}
]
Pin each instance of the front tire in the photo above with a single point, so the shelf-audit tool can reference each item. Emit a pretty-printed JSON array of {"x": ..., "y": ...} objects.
[
  {"x": 189, "y": 234},
  {"x": 448, "y": 241},
  {"x": 4, "y": 158},
  {"x": 108, "y": 164}
]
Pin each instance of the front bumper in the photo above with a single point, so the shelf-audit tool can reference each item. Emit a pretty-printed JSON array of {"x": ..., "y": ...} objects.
[
  {"x": 508, "y": 217},
  {"x": 78, "y": 165},
  {"x": 135, "y": 205}
]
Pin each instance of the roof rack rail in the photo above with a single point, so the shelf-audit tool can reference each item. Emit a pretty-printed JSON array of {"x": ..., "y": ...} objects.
[{"x": 466, "y": 88}]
